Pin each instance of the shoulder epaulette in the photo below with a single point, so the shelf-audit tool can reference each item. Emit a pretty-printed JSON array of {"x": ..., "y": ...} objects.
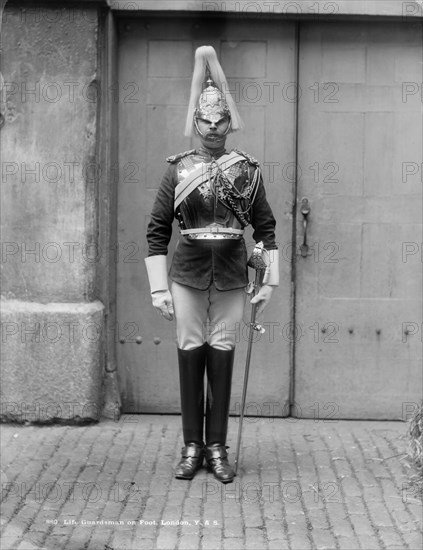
[
  {"x": 178, "y": 157},
  {"x": 250, "y": 159}
]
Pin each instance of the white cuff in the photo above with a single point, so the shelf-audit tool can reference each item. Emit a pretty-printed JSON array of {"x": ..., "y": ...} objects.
[
  {"x": 271, "y": 275},
  {"x": 157, "y": 272}
]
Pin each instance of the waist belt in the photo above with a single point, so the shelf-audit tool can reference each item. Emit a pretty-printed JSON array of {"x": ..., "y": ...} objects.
[{"x": 213, "y": 233}]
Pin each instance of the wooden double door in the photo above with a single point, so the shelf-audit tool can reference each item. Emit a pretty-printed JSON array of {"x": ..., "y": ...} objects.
[{"x": 338, "y": 136}]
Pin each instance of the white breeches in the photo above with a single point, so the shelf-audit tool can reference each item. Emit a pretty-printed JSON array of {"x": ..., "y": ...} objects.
[{"x": 212, "y": 316}]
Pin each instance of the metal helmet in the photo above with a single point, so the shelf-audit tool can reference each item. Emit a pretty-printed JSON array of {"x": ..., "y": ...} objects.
[
  {"x": 214, "y": 101},
  {"x": 212, "y": 106}
]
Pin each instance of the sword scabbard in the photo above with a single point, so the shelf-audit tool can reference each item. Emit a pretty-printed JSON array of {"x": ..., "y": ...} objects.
[{"x": 257, "y": 284}]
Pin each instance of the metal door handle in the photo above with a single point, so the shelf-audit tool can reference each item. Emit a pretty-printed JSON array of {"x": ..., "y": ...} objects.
[{"x": 305, "y": 211}]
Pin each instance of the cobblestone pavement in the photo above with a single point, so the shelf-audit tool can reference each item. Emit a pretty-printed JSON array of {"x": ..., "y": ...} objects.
[{"x": 301, "y": 484}]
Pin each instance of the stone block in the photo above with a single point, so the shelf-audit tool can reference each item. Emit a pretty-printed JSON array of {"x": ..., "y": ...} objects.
[{"x": 51, "y": 357}]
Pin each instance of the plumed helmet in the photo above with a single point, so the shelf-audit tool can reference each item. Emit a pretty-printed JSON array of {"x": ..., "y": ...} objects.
[{"x": 212, "y": 101}]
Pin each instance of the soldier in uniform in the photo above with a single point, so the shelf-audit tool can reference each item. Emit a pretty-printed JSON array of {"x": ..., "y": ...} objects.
[{"x": 213, "y": 195}]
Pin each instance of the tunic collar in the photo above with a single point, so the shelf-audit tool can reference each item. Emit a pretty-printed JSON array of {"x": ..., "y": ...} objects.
[{"x": 211, "y": 153}]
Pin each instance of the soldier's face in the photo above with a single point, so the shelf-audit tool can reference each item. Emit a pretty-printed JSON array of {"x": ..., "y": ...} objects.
[{"x": 213, "y": 133}]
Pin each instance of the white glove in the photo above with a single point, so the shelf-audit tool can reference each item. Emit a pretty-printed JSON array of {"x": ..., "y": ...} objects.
[
  {"x": 271, "y": 275},
  {"x": 157, "y": 272},
  {"x": 160, "y": 293},
  {"x": 162, "y": 301},
  {"x": 262, "y": 298}
]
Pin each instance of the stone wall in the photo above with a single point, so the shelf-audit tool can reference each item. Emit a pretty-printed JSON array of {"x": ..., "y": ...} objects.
[
  {"x": 52, "y": 321},
  {"x": 297, "y": 8}
]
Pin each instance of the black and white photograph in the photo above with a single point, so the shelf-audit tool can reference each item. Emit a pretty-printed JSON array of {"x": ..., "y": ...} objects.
[{"x": 211, "y": 275}]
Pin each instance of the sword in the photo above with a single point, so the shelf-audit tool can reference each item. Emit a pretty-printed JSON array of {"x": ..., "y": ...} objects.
[{"x": 257, "y": 262}]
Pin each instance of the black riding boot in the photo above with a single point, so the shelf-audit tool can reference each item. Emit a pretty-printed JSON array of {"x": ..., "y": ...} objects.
[
  {"x": 219, "y": 379},
  {"x": 191, "y": 378}
]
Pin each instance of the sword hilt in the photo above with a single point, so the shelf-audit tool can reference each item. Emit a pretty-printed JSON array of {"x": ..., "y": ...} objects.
[{"x": 256, "y": 260}]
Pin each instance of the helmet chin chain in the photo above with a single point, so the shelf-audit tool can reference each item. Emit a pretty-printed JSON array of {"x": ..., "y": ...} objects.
[{"x": 201, "y": 133}]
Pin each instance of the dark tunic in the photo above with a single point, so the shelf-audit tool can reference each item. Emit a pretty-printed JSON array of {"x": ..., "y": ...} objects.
[{"x": 199, "y": 263}]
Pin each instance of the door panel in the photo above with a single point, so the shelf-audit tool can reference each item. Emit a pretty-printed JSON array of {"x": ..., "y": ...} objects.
[
  {"x": 156, "y": 61},
  {"x": 356, "y": 292}
]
